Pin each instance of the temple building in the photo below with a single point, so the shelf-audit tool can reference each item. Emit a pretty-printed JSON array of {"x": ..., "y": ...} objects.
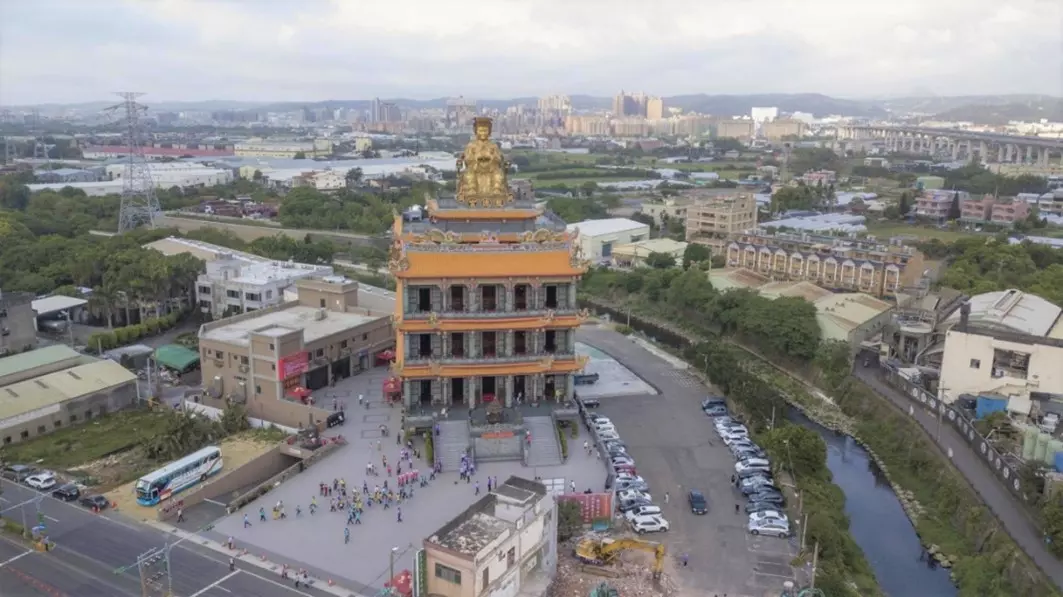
[{"x": 486, "y": 293}]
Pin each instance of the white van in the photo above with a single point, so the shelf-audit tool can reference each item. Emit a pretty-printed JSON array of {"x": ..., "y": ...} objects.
[{"x": 752, "y": 464}]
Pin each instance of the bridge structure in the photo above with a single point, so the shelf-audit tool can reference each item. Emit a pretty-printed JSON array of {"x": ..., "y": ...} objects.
[{"x": 967, "y": 145}]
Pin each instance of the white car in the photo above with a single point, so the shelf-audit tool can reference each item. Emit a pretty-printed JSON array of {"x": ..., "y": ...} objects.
[
  {"x": 599, "y": 421},
  {"x": 41, "y": 481},
  {"x": 734, "y": 436},
  {"x": 752, "y": 464},
  {"x": 622, "y": 461},
  {"x": 649, "y": 524},
  {"x": 641, "y": 511},
  {"x": 732, "y": 429},
  {"x": 629, "y": 478},
  {"x": 608, "y": 435},
  {"x": 768, "y": 515},
  {"x": 605, "y": 429},
  {"x": 631, "y": 494},
  {"x": 775, "y": 528}
]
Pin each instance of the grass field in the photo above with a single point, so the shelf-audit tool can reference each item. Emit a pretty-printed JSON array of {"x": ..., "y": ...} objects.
[
  {"x": 89, "y": 441},
  {"x": 885, "y": 229}
]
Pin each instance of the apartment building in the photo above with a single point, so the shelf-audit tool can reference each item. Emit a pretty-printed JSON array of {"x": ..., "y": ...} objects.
[
  {"x": 934, "y": 205},
  {"x": 1047, "y": 204},
  {"x": 668, "y": 209},
  {"x": 834, "y": 263},
  {"x": 814, "y": 178},
  {"x": 592, "y": 126},
  {"x": 988, "y": 209},
  {"x": 735, "y": 129},
  {"x": 504, "y": 544},
  {"x": 720, "y": 217},
  {"x": 984, "y": 355},
  {"x": 779, "y": 129},
  {"x": 260, "y": 356},
  {"x": 18, "y": 322}
]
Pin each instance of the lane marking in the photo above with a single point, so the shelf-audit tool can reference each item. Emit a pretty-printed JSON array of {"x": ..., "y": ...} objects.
[
  {"x": 215, "y": 502},
  {"x": 215, "y": 583},
  {"x": 281, "y": 585},
  {"x": 21, "y": 555}
]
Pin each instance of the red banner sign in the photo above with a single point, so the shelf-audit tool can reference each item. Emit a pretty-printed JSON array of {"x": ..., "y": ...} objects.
[
  {"x": 593, "y": 506},
  {"x": 293, "y": 365}
]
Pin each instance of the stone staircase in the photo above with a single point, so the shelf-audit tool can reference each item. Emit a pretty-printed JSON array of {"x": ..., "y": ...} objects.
[
  {"x": 452, "y": 441},
  {"x": 544, "y": 449}
]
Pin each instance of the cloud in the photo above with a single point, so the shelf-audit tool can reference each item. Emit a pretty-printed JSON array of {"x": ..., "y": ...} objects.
[{"x": 268, "y": 50}]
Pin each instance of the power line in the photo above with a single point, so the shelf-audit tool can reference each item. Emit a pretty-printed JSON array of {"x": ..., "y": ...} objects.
[{"x": 140, "y": 206}]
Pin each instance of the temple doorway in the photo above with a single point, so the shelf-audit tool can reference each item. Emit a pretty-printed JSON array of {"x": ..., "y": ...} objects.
[
  {"x": 549, "y": 388},
  {"x": 425, "y": 395},
  {"x": 489, "y": 389},
  {"x": 520, "y": 385},
  {"x": 457, "y": 390}
]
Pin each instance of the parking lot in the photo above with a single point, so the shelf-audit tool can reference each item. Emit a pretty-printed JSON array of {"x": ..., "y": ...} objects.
[{"x": 676, "y": 449}]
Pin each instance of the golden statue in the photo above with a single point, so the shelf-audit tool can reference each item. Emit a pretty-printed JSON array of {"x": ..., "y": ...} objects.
[{"x": 482, "y": 170}]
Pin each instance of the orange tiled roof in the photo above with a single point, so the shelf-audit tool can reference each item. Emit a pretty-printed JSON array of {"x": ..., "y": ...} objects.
[
  {"x": 432, "y": 264},
  {"x": 528, "y": 368}
]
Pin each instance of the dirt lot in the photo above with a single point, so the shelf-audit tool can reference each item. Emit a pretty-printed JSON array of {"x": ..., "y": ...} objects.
[
  {"x": 633, "y": 571},
  {"x": 236, "y": 451}
]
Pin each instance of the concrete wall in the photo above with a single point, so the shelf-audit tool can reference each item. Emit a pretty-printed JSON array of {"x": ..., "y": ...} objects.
[
  {"x": 301, "y": 465},
  {"x": 498, "y": 448},
  {"x": 249, "y": 233},
  {"x": 215, "y": 414},
  {"x": 18, "y": 323},
  {"x": 70, "y": 413},
  {"x": 221, "y": 488}
]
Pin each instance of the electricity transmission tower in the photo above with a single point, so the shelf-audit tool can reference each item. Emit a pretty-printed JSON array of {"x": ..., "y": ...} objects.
[{"x": 140, "y": 206}]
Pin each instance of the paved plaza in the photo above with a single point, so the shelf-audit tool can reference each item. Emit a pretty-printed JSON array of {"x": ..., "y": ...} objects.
[
  {"x": 316, "y": 542},
  {"x": 615, "y": 379}
]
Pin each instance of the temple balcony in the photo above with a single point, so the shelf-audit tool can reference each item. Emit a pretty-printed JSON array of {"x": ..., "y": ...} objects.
[{"x": 484, "y": 359}]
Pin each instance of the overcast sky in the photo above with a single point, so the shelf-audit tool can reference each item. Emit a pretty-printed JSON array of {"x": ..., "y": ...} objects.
[{"x": 269, "y": 50}]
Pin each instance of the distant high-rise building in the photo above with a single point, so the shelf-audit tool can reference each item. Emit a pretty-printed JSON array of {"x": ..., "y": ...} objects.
[
  {"x": 654, "y": 108},
  {"x": 460, "y": 112},
  {"x": 384, "y": 111},
  {"x": 631, "y": 104}
]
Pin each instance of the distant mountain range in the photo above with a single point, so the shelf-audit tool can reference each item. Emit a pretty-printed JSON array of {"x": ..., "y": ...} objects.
[{"x": 995, "y": 109}]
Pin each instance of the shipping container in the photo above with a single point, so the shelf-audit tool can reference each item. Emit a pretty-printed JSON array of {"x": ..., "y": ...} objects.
[
  {"x": 988, "y": 405},
  {"x": 1059, "y": 461}
]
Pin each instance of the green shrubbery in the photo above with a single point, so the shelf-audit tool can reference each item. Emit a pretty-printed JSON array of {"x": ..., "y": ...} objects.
[
  {"x": 563, "y": 441},
  {"x": 103, "y": 341}
]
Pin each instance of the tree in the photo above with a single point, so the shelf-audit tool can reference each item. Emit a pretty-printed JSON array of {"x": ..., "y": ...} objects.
[
  {"x": 787, "y": 198},
  {"x": 257, "y": 176},
  {"x": 954, "y": 207},
  {"x": 569, "y": 519},
  {"x": 588, "y": 188},
  {"x": 299, "y": 155},
  {"x": 660, "y": 260},
  {"x": 695, "y": 253},
  {"x": 353, "y": 177}
]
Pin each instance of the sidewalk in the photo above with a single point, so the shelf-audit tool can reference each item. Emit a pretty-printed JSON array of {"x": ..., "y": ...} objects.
[
  {"x": 1011, "y": 515},
  {"x": 249, "y": 558}
]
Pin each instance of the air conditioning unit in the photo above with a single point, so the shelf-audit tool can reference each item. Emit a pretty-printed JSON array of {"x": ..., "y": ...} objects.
[
  {"x": 320, "y": 315},
  {"x": 244, "y": 368}
]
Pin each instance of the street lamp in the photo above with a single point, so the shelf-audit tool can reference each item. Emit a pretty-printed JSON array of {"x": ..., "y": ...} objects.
[{"x": 391, "y": 570}]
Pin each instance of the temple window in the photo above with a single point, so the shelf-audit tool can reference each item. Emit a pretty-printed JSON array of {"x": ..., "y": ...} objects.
[
  {"x": 489, "y": 344},
  {"x": 489, "y": 298},
  {"x": 457, "y": 344},
  {"x": 551, "y": 341},
  {"x": 520, "y": 297},
  {"x": 457, "y": 298},
  {"x": 424, "y": 299},
  {"x": 520, "y": 343},
  {"x": 551, "y": 296},
  {"x": 424, "y": 345}
]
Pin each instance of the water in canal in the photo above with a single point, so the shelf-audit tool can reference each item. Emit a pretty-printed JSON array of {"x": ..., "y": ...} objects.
[{"x": 878, "y": 522}]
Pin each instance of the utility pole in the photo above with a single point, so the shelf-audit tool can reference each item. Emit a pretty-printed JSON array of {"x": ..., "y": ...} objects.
[
  {"x": 156, "y": 579},
  {"x": 391, "y": 571},
  {"x": 815, "y": 562},
  {"x": 940, "y": 402}
]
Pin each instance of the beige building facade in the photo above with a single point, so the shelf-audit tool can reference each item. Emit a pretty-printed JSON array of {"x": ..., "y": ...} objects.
[
  {"x": 18, "y": 326},
  {"x": 720, "y": 217},
  {"x": 504, "y": 544},
  {"x": 734, "y": 129},
  {"x": 260, "y": 357}
]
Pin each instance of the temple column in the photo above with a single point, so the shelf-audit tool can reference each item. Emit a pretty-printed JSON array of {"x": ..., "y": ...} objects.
[
  {"x": 570, "y": 386},
  {"x": 407, "y": 393},
  {"x": 509, "y": 390},
  {"x": 470, "y": 392},
  {"x": 572, "y": 296},
  {"x": 444, "y": 390}
]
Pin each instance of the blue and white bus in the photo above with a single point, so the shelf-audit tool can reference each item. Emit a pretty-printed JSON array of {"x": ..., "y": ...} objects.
[{"x": 178, "y": 475}]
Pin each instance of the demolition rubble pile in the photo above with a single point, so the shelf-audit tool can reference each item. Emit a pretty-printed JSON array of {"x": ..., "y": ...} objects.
[{"x": 635, "y": 576}]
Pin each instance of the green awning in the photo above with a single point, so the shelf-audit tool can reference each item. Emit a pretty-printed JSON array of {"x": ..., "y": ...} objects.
[{"x": 176, "y": 357}]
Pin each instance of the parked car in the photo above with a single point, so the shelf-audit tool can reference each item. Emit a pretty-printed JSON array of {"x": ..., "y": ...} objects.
[
  {"x": 592, "y": 417},
  {"x": 67, "y": 493},
  {"x": 590, "y": 402},
  {"x": 723, "y": 423},
  {"x": 585, "y": 379},
  {"x": 734, "y": 429},
  {"x": 713, "y": 402},
  {"x": 767, "y": 494},
  {"x": 717, "y": 411},
  {"x": 774, "y": 528},
  {"x": 766, "y": 515},
  {"x": 698, "y": 503},
  {"x": 631, "y": 494},
  {"x": 19, "y": 472},
  {"x": 735, "y": 435},
  {"x": 649, "y": 510},
  {"x": 625, "y": 468},
  {"x": 603, "y": 429},
  {"x": 760, "y": 506},
  {"x": 649, "y": 524},
  {"x": 41, "y": 481},
  {"x": 637, "y": 486},
  {"x": 752, "y": 464},
  {"x": 608, "y": 435},
  {"x": 754, "y": 484},
  {"x": 621, "y": 460},
  {"x": 335, "y": 419},
  {"x": 94, "y": 501},
  {"x": 746, "y": 450},
  {"x": 629, "y": 477},
  {"x": 600, "y": 420},
  {"x": 632, "y": 503}
]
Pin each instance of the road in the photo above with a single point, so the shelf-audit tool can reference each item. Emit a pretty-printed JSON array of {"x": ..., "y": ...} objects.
[
  {"x": 676, "y": 450},
  {"x": 1010, "y": 513},
  {"x": 90, "y": 547}
]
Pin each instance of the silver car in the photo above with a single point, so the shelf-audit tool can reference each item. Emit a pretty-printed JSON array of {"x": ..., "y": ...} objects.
[{"x": 772, "y": 528}]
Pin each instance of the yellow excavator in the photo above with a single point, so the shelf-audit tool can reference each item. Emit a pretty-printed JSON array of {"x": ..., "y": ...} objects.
[{"x": 602, "y": 552}]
